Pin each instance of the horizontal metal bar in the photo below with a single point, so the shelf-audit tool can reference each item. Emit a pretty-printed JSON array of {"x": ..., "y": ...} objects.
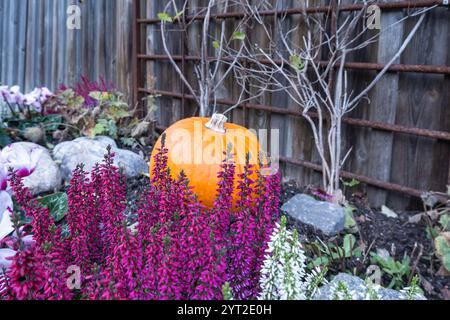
[
  {"x": 348, "y": 65},
  {"x": 364, "y": 179},
  {"x": 311, "y": 10},
  {"x": 433, "y": 134},
  {"x": 347, "y": 175}
]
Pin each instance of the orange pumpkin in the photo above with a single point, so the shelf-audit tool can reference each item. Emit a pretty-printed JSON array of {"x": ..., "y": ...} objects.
[{"x": 197, "y": 146}]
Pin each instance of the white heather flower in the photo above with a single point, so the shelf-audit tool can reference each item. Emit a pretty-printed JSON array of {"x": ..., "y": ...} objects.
[{"x": 283, "y": 275}]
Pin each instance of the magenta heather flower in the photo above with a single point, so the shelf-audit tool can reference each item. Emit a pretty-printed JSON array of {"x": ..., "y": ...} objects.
[
  {"x": 84, "y": 87},
  {"x": 41, "y": 221},
  {"x": 180, "y": 249},
  {"x": 26, "y": 276},
  {"x": 81, "y": 218}
]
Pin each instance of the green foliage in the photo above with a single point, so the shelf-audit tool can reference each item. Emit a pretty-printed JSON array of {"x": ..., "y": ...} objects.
[
  {"x": 57, "y": 205},
  {"x": 351, "y": 184},
  {"x": 16, "y": 126},
  {"x": 442, "y": 244},
  {"x": 238, "y": 35},
  {"x": 164, "y": 17},
  {"x": 350, "y": 222},
  {"x": 216, "y": 44},
  {"x": 5, "y": 139},
  {"x": 444, "y": 221},
  {"x": 413, "y": 292},
  {"x": 341, "y": 292},
  {"x": 105, "y": 127},
  {"x": 297, "y": 63},
  {"x": 330, "y": 253},
  {"x": 226, "y": 292},
  {"x": 397, "y": 271}
]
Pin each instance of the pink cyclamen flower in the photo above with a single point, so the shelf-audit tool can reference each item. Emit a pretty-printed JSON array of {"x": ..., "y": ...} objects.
[
  {"x": 44, "y": 94},
  {"x": 6, "y": 206},
  {"x": 13, "y": 95},
  {"x": 4, "y": 92},
  {"x": 37, "y": 98},
  {"x": 22, "y": 161},
  {"x": 33, "y": 101},
  {"x": 6, "y": 256}
]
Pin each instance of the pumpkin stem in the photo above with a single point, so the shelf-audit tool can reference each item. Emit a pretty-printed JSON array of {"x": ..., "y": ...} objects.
[{"x": 217, "y": 123}]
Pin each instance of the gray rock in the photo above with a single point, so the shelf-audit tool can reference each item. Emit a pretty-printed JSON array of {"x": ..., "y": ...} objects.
[
  {"x": 47, "y": 176},
  {"x": 91, "y": 151},
  {"x": 357, "y": 287},
  {"x": 324, "y": 216},
  {"x": 106, "y": 141},
  {"x": 354, "y": 284}
]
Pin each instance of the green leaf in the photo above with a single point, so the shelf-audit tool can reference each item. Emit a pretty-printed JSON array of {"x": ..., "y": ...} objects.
[
  {"x": 127, "y": 141},
  {"x": 444, "y": 221},
  {"x": 100, "y": 128},
  {"x": 297, "y": 63},
  {"x": 352, "y": 183},
  {"x": 52, "y": 121},
  {"x": 238, "y": 35},
  {"x": 349, "y": 244},
  {"x": 442, "y": 244},
  {"x": 164, "y": 17},
  {"x": 349, "y": 218},
  {"x": 97, "y": 95},
  {"x": 226, "y": 292},
  {"x": 216, "y": 44},
  {"x": 56, "y": 204},
  {"x": 179, "y": 14}
]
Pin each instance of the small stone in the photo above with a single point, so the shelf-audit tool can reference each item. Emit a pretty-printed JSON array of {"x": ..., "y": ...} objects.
[{"x": 324, "y": 216}]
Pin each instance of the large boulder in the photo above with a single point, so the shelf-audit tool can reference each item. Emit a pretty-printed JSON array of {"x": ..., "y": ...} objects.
[
  {"x": 324, "y": 216},
  {"x": 47, "y": 176},
  {"x": 357, "y": 288},
  {"x": 91, "y": 151}
]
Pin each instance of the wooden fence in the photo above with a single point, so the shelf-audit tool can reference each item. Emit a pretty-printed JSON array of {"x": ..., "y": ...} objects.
[
  {"x": 400, "y": 140},
  {"x": 37, "y": 48}
]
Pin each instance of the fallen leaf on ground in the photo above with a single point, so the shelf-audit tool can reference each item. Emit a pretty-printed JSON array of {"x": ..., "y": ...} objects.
[
  {"x": 415, "y": 218},
  {"x": 388, "y": 212}
]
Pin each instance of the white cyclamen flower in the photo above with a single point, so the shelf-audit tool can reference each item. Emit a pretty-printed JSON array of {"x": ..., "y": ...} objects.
[
  {"x": 18, "y": 158},
  {"x": 6, "y": 207}
]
